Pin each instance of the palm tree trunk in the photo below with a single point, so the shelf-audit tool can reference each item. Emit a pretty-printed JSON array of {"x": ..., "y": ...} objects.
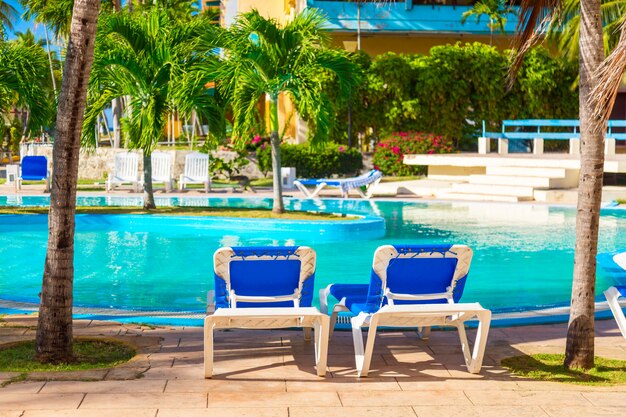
[
  {"x": 54, "y": 330},
  {"x": 54, "y": 82},
  {"x": 116, "y": 110},
  {"x": 148, "y": 192},
  {"x": 278, "y": 206},
  {"x": 579, "y": 352}
]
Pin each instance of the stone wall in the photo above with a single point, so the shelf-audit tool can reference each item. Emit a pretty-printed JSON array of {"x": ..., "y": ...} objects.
[{"x": 94, "y": 165}]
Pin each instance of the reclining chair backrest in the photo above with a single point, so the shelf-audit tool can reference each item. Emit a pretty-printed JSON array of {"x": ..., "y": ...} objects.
[
  {"x": 126, "y": 166},
  {"x": 161, "y": 166},
  {"x": 264, "y": 276},
  {"x": 34, "y": 168},
  {"x": 197, "y": 166},
  {"x": 417, "y": 274}
]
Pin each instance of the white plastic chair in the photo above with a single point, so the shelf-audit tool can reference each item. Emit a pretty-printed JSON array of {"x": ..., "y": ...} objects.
[
  {"x": 162, "y": 169},
  {"x": 431, "y": 280},
  {"x": 614, "y": 293},
  {"x": 125, "y": 171},
  {"x": 265, "y": 288},
  {"x": 196, "y": 171}
]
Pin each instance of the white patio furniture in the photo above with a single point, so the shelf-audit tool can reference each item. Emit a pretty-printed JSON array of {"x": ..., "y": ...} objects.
[
  {"x": 369, "y": 180},
  {"x": 411, "y": 286},
  {"x": 265, "y": 288},
  {"x": 614, "y": 293},
  {"x": 162, "y": 169},
  {"x": 196, "y": 171},
  {"x": 125, "y": 171}
]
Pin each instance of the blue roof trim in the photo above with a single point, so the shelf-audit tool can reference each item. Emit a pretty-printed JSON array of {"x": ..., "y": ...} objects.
[{"x": 403, "y": 17}]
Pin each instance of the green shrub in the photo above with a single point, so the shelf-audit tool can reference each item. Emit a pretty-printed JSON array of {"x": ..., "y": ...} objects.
[
  {"x": 314, "y": 162},
  {"x": 389, "y": 154}
]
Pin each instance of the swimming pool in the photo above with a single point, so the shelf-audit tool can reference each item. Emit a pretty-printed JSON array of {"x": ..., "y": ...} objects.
[{"x": 523, "y": 254}]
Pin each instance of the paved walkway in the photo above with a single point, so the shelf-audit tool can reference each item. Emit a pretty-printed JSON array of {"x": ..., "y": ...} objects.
[{"x": 270, "y": 373}]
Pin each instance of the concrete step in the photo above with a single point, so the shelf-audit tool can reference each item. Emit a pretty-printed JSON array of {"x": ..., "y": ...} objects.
[
  {"x": 527, "y": 171},
  {"x": 481, "y": 197},
  {"x": 488, "y": 189},
  {"x": 536, "y": 182}
]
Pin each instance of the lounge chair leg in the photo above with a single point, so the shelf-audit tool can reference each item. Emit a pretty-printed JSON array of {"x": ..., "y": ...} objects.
[
  {"x": 307, "y": 334},
  {"x": 208, "y": 347},
  {"x": 465, "y": 348},
  {"x": 424, "y": 333},
  {"x": 321, "y": 344},
  {"x": 612, "y": 297},
  {"x": 363, "y": 356}
]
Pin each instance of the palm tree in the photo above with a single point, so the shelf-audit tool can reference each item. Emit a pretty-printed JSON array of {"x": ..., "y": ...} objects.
[
  {"x": 495, "y": 10},
  {"x": 266, "y": 60},
  {"x": 8, "y": 14},
  {"x": 599, "y": 80},
  {"x": 56, "y": 14},
  {"x": 54, "y": 330},
  {"x": 564, "y": 32},
  {"x": 23, "y": 80},
  {"x": 148, "y": 57}
]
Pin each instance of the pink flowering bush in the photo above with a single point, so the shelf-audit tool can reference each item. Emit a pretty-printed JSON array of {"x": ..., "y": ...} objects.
[{"x": 390, "y": 151}]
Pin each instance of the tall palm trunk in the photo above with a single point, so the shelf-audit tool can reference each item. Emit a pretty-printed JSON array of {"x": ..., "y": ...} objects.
[
  {"x": 278, "y": 206},
  {"x": 148, "y": 192},
  {"x": 54, "y": 331},
  {"x": 579, "y": 351}
]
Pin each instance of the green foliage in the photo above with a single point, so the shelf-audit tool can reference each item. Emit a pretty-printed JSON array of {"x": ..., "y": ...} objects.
[
  {"x": 452, "y": 90},
  {"x": 389, "y": 154},
  {"x": 314, "y": 162},
  {"x": 230, "y": 167}
]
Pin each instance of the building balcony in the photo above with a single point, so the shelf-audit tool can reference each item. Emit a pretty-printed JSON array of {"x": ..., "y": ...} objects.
[{"x": 405, "y": 16}]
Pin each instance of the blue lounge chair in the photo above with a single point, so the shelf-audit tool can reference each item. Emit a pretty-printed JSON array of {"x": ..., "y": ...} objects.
[
  {"x": 614, "y": 293},
  {"x": 414, "y": 286},
  {"x": 34, "y": 168},
  {"x": 369, "y": 180},
  {"x": 265, "y": 288}
]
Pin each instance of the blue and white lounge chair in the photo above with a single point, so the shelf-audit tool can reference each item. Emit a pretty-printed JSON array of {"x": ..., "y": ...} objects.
[
  {"x": 34, "y": 168},
  {"x": 265, "y": 288},
  {"x": 411, "y": 286},
  {"x": 369, "y": 180},
  {"x": 614, "y": 293}
]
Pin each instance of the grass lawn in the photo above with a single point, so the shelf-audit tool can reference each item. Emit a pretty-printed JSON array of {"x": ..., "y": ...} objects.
[
  {"x": 189, "y": 211},
  {"x": 89, "y": 354},
  {"x": 549, "y": 367}
]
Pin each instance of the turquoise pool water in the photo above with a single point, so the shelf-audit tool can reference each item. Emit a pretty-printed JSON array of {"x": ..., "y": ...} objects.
[{"x": 523, "y": 254}]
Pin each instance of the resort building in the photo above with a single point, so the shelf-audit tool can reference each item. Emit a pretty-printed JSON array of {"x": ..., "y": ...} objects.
[{"x": 403, "y": 26}]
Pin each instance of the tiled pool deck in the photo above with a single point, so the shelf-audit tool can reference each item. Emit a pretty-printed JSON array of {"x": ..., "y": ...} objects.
[{"x": 270, "y": 373}]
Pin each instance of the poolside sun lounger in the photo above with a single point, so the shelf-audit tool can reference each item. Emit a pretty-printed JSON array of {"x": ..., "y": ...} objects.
[
  {"x": 34, "y": 168},
  {"x": 614, "y": 293},
  {"x": 162, "y": 169},
  {"x": 196, "y": 171},
  {"x": 411, "y": 286},
  {"x": 125, "y": 171},
  {"x": 369, "y": 180},
  {"x": 265, "y": 288}
]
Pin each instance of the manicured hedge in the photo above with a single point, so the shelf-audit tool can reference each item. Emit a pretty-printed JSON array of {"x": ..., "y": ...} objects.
[
  {"x": 390, "y": 151},
  {"x": 314, "y": 162}
]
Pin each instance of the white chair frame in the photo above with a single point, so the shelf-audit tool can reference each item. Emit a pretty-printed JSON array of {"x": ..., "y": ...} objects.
[
  {"x": 196, "y": 171},
  {"x": 125, "y": 171},
  {"x": 162, "y": 169}
]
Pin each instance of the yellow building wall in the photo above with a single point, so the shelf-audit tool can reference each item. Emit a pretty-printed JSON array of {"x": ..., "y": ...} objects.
[
  {"x": 275, "y": 9},
  {"x": 378, "y": 43}
]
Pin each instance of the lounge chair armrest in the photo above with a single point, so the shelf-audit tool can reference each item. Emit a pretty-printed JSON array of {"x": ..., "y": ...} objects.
[
  {"x": 323, "y": 294},
  {"x": 210, "y": 302}
]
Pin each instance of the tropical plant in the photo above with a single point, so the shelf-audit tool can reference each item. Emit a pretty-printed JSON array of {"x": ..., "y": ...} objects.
[
  {"x": 8, "y": 14},
  {"x": 265, "y": 59},
  {"x": 54, "y": 340},
  {"x": 564, "y": 32},
  {"x": 495, "y": 10},
  {"x": 389, "y": 153},
  {"x": 23, "y": 80},
  {"x": 150, "y": 58},
  {"x": 57, "y": 14},
  {"x": 599, "y": 80},
  {"x": 318, "y": 162}
]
